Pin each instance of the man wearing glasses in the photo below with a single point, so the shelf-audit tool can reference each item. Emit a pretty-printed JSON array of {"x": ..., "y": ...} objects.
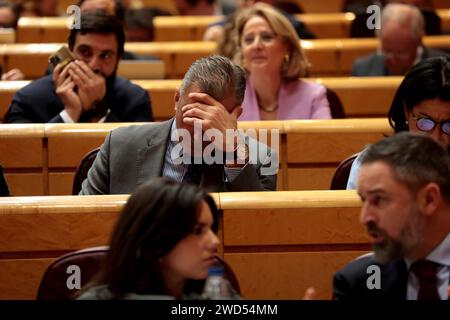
[{"x": 401, "y": 33}]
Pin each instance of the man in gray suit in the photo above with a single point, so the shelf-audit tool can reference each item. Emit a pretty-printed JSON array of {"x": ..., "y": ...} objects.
[
  {"x": 401, "y": 33},
  {"x": 207, "y": 104}
]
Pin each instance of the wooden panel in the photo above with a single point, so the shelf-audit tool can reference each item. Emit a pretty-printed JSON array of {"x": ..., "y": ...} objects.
[
  {"x": 81, "y": 137},
  {"x": 21, "y": 145},
  {"x": 60, "y": 183},
  {"x": 375, "y": 92},
  {"x": 327, "y": 147},
  {"x": 20, "y": 278},
  {"x": 57, "y": 223},
  {"x": 58, "y": 155},
  {"x": 310, "y": 178},
  {"x": 21, "y": 153},
  {"x": 7, "y": 35},
  {"x": 441, "y": 3},
  {"x": 32, "y": 65},
  {"x": 444, "y": 14},
  {"x": 290, "y": 242},
  {"x": 328, "y": 25},
  {"x": 25, "y": 184},
  {"x": 310, "y": 6},
  {"x": 287, "y": 275},
  {"x": 259, "y": 227},
  {"x": 364, "y": 97}
]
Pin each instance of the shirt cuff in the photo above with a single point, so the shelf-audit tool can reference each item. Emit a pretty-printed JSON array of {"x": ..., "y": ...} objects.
[{"x": 65, "y": 116}]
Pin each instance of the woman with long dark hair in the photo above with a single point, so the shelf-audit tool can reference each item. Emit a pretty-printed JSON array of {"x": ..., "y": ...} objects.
[{"x": 162, "y": 246}]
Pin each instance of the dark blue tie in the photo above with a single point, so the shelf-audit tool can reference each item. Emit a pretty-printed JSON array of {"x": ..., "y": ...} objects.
[{"x": 193, "y": 174}]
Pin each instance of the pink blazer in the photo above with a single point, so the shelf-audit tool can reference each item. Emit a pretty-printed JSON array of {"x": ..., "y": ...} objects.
[{"x": 297, "y": 99}]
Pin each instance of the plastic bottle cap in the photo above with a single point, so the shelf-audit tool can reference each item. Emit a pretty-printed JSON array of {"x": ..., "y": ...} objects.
[{"x": 216, "y": 271}]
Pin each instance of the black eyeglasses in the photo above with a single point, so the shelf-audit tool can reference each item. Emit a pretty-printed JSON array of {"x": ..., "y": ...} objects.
[{"x": 427, "y": 124}]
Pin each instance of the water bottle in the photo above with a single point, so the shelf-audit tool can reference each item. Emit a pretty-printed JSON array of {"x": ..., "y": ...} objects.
[{"x": 217, "y": 287}]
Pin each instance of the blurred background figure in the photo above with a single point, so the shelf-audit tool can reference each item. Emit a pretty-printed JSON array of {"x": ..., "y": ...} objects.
[
  {"x": 197, "y": 7},
  {"x": 39, "y": 8},
  {"x": 401, "y": 47},
  {"x": 138, "y": 25},
  {"x": 269, "y": 50},
  {"x": 9, "y": 14},
  {"x": 162, "y": 246},
  {"x": 111, "y": 7},
  {"x": 220, "y": 31}
]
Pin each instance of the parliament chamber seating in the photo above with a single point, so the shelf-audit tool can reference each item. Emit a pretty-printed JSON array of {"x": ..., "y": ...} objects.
[
  {"x": 328, "y": 57},
  {"x": 191, "y": 28},
  {"x": 360, "y": 97},
  {"x": 41, "y": 159},
  {"x": 277, "y": 243}
]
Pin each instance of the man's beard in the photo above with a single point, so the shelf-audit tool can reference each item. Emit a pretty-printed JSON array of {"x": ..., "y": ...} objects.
[{"x": 410, "y": 237}]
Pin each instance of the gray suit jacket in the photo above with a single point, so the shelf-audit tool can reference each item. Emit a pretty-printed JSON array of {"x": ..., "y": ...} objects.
[
  {"x": 373, "y": 65},
  {"x": 131, "y": 155}
]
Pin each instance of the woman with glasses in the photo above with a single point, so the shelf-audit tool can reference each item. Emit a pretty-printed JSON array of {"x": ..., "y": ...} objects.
[
  {"x": 421, "y": 104},
  {"x": 268, "y": 48}
]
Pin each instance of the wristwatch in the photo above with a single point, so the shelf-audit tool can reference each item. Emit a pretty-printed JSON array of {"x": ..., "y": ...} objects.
[{"x": 241, "y": 155}]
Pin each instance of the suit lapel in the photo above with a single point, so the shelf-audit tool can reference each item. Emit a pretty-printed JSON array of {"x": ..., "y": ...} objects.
[{"x": 150, "y": 159}]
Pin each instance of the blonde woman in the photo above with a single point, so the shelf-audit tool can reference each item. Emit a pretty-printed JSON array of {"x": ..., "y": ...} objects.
[{"x": 269, "y": 50}]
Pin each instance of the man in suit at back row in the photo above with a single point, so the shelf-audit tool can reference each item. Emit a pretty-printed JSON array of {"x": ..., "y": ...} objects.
[
  {"x": 401, "y": 33},
  {"x": 404, "y": 185}
]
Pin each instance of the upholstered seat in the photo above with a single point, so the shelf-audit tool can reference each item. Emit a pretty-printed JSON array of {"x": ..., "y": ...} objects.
[
  {"x": 82, "y": 170},
  {"x": 57, "y": 284},
  {"x": 340, "y": 177}
]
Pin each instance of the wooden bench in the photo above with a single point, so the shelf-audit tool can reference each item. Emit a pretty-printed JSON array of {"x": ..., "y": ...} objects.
[
  {"x": 57, "y": 150},
  {"x": 278, "y": 244},
  {"x": 333, "y": 24},
  {"x": 361, "y": 97},
  {"x": 329, "y": 57}
]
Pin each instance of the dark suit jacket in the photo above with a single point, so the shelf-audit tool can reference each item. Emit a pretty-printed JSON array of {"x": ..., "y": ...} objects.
[
  {"x": 350, "y": 283},
  {"x": 134, "y": 154},
  {"x": 4, "y": 191},
  {"x": 38, "y": 103},
  {"x": 373, "y": 65}
]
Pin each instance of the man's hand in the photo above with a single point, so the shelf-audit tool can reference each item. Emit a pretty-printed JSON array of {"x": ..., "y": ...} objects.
[
  {"x": 13, "y": 75},
  {"x": 212, "y": 115},
  {"x": 91, "y": 86},
  {"x": 65, "y": 90}
]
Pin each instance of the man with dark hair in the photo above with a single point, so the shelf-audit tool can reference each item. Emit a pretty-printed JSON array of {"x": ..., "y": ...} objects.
[
  {"x": 87, "y": 89},
  {"x": 207, "y": 106},
  {"x": 404, "y": 185}
]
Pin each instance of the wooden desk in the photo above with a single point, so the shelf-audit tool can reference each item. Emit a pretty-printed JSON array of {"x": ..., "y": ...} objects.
[
  {"x": 360, "y": 97},
  {"x": 325, "y": 25},
  {"x": 278, "y": 244},
  {"x": 307, "y": 166},
  {"x": 42, "y": 159},
  {"x": 329, "y": 57},
  {"x": 23, "y": 158}
]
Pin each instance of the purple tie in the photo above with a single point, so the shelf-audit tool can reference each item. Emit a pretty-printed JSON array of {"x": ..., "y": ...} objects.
[{"x": 426, "y": 274}]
